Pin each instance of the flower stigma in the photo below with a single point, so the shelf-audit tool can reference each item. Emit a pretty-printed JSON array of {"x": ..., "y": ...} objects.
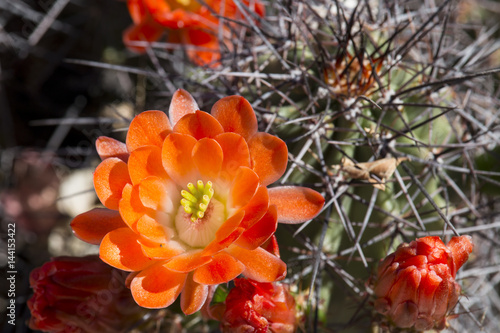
[{"x": 196, "y": 200}]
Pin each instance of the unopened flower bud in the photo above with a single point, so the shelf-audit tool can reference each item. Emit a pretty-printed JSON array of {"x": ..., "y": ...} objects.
[
  {"x": 258, "y": 308},
  {"x": 416, "y": 285}
]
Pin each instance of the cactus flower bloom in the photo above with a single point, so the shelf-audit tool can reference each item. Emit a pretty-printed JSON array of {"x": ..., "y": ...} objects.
[
  {"x": 187, "y": 205},
  {"x": 351, "y": 76},
  {"x": 80, "y": 295},
  {"x": 189, "y": 22},
  {"x": 257, "y": 307},
  {"x": 416, "y": 285}
]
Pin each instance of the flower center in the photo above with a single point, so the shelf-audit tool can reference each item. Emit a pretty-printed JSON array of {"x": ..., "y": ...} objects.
[
  {"x": 196, "y": 200},
  {"x": 199, "y": 215}
]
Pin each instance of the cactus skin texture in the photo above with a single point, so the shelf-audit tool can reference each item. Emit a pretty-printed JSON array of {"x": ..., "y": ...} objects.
[{"x": 416, "y": 285}]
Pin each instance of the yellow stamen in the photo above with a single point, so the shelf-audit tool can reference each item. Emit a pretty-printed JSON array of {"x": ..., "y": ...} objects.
[{"x": 195, "y": 202}]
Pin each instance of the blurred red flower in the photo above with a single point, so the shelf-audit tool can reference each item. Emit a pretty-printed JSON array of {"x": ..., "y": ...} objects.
[
  {"x": 257, "y": 307},
  {"x": 188, "y": 206},
  {"x": 416, "y": 284},
  {"x": 80, "y": 295},
  {"x": 189, "y": 22}
]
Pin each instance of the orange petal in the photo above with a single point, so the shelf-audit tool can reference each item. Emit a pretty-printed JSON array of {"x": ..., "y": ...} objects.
[
  {"x": 460, "y": 248},
  {"x": 271, "y": 246},
  {"x": 243, "y": 188},
  {"x": 120, "y": 248},
  {"x": 227, "y": 233},
  {"x": 131, "y": 207},
  {"x": 428, "y": 286},
  {"x": 110, "y": 177},
  {"x": 137, "y": 10},
  {"x": 193, "y": 296},
  {"x": 236, "y": 154},
  {"x": 229, "y": 225},
  {"x": 149, "y": 228},
  {"x": 169, "y": 18},
  {"x": 296, "y": 204},
  {"x": 386, "y": 281},
  {"x": 161, "y": 251},
  {"x": 177, "y": 158},
  {"x": 235, "y": 114},
  {"x": 218, "y": 245},
  {"x": 269, "y": 156},
  {"x": 187, "y": 262},
  {"x": 405, "y": 287},
  {"x": 154, "y": 195},
  {"x": 210, "y": 55},
  {"x": 256, "y": 208},
  {"x": 146, "y": 161},
  {"x": 182, "y": 104},
  {"x": 159, "y": 9},
  {"x": 199, "y": 125},
  {"x": 261, "y": 265},
  {"x": 147, "y": 31},
  {"x": 444, "y": 292},
  {"x": 223, "y": 268},
  {"x": 260, "y": 231},
  {"x": 405, "y": 314},
  {"x": 109, "y": 147},
  {"x": 148, "y": 128},
  {"x": 208, "y": 156},
  {"x": 157, "y": 287},
  {"x": 92, "y": 226}
]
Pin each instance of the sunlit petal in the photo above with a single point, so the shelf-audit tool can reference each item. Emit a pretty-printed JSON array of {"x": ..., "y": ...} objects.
[
  {"x": 208, "y": 156},
  {"x": 235, "y": 114},
  {"x": 177, "y": 158},
  {"x": 236, "y": 154},
  {"x": 146, "y": 161},
  {"x": 260, "y": 232},
  {"x": 110, "y": 177},
  {"x": 198, "y": 125},
  {"x": 221, "y": 269},
  {"x": 148, "y": 128},
  {"x": 193, "y": 296},
  {"x": 269, "y": 156},
  {"x": 121, "y": 249},
  {"x": 157, "y": 287},
  {"x": 109, "y": 147},
  {"x": 93, "y": 225},
  {"x": 296, "y": 204},
  {"x": 261, "y": 265},
  {"x": 182, "y": 104}
]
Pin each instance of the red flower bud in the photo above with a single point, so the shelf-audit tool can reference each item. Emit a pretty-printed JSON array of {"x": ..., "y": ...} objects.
[
  {"x": 257, "y": 307},
  {"x": 80, "y": 295},
  {"x": 416, "y": 284}
]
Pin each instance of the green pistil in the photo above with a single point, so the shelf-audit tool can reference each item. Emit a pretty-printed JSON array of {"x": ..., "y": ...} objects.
[{"x": 195, "y": 202}]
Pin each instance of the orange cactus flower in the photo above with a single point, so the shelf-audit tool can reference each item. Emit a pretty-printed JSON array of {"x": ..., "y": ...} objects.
[
  {"x": 257, "y": 307},
  {"x": 80, "y": 295},
  {"x": 350, "y": 77},
  {"x": 189, "y": 22},
  {"x": 186, "y": 201},
  {"x": 416, "y": 285}
]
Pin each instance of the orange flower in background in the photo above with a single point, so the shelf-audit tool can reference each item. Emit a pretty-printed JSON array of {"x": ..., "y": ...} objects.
[
  {"x": 416, "y": 285},
  {"x": 80, "y": 295},
  {"x": 187, "y": 206},
  {"x": 257, "y": 307},
  {"x": 352, "y": 76},
  {"x": 189, "y": 22}
]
